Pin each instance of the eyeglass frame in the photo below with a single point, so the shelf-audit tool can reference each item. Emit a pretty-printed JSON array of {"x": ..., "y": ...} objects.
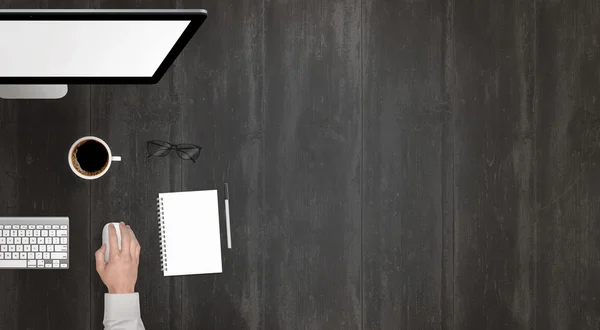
[{"x": 171, "y": 148}]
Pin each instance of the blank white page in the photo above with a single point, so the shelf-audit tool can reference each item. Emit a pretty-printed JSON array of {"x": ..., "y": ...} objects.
[
  {"x": 86, "y": 48},
  {"x": 192, "y": 239}
]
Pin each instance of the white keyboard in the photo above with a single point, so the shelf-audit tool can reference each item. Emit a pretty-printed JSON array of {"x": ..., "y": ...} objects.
[{"x": 27, "y": 243}]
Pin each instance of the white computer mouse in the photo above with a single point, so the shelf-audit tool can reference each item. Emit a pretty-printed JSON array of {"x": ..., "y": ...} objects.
[{"x": 105, "y": 238}]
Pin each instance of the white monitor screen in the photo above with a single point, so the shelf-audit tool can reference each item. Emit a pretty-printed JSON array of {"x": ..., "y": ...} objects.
[{"x": 80, "y": 48}]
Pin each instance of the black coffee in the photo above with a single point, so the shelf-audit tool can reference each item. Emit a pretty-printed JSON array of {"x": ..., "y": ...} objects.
[{"x": 92, "y": 157}]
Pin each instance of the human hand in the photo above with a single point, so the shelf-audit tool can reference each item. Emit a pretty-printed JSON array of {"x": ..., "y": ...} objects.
[{"x": 120, "y": 273}]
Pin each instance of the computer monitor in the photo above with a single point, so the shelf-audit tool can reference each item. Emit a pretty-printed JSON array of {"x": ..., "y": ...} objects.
[{"x": 43, "y": 50}]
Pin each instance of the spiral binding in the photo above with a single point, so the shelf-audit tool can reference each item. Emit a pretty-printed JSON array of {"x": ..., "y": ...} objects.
[{"x": 161, "y": 232}]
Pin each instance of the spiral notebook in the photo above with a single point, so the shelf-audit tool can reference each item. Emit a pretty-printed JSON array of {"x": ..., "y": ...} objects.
[{"x": 189, "y": 233}]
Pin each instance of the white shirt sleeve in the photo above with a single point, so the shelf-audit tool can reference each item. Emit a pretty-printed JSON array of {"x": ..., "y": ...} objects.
[{"x": 122, "y": 312}]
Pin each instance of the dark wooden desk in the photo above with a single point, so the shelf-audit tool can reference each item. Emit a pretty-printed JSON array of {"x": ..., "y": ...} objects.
[{"x": 392, "y": 164}]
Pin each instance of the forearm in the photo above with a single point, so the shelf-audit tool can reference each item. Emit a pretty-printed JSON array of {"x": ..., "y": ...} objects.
[{"x": 122, "y": 312}]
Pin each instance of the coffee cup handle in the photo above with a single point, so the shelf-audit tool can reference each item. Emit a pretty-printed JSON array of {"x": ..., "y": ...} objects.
[{"x": 116, "y": 158}]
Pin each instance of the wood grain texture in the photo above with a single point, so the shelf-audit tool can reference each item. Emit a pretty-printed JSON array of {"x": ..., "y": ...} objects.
[
  {"x": 404, "y": 117},
  {"x": 35, "y": 180},
  {"x": 392, "y": 165},
  {"x": 312, "y": 134},
  {"x": 568, "y": 139},
  {"x": 448, "y": 171},
  {"x": 495, "y": 164},
  {"x": 126, "y": 117},
  {"x": 223, "y": 111}
]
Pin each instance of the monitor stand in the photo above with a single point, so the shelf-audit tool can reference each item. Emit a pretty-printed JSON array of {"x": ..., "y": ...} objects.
[{"x": 51, "y": 92}]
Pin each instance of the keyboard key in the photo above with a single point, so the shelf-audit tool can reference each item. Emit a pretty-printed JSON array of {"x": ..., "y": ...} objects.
[
  {"x": 1, "y": 226},
  {"x": 4, "y": 248},
  {"x": 11, "y": 248},
  {"x": 63, "y": 265},
  {"x": 57, "y": 262},
  {"x": 50, "y": 248},
  {"x": 40, "y": 263},
  {"x": 31, "y": 263},
  {"x": 13, "y": 232},
  {"x": 7, "y": 255},
  {"x": 1, "y": 256},
  {"x": 55, "y": 226},
  {"x": 19, "y": 248},
  {"x": 23, "y": 255},
  {"x": 59, "y": 255},
  {"x": 52, "y": 233},
  {"x": 7, "y": 227},
  {"x": 31, "y": 255},
  {"x": 6, "y": 233},
  {"x": 36, "y": 233},
  {"x": 55, "y": 265},
  {"x": 40, "y": 240},
  {"x": 25, "y": 240},
  {"x": 55, "y": 240},
  {"x": 47, "y": 255},
  {"x": 31, "y": 227},
  {"x": 63, "y": 240},
  {"x": 27, "y": 248},
  {"x": 15, "y": 255},
  {"x": 42, "y": 248},
  {"x": 47, "y": 227},
  {"x": 17, "y": 240},
  {"x": 38, "y": 255},
  {"x": 13, "y": 263},
  {"x": 21, "y": 233},
  {"x": 2, "y": 240},
  {"x": 61, "y": 233},
  {"x": 44, "y": 233},
  {"x": 23, "y": 226},
  {"x": 34, "y": 248},
  {"x": 48, "y": 240},
  {"x": 10, "y": 240},
  {"x": 61, "y": 227},
  {"x": 60, "y": 248},
  {"x": 29, "y": 233},
  {"x": 39, "y": 227},
  {"x": 48, "y": 265}
]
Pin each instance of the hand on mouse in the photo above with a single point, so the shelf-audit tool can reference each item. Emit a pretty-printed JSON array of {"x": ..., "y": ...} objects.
[{"x": 120, "y": 273}]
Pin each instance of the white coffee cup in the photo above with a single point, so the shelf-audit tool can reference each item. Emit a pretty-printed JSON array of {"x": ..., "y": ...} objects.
[{"x": 77, "y": 169}]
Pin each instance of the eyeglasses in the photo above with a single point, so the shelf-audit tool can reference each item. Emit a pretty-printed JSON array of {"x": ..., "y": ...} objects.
[{"x": 158, "y": 148}]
